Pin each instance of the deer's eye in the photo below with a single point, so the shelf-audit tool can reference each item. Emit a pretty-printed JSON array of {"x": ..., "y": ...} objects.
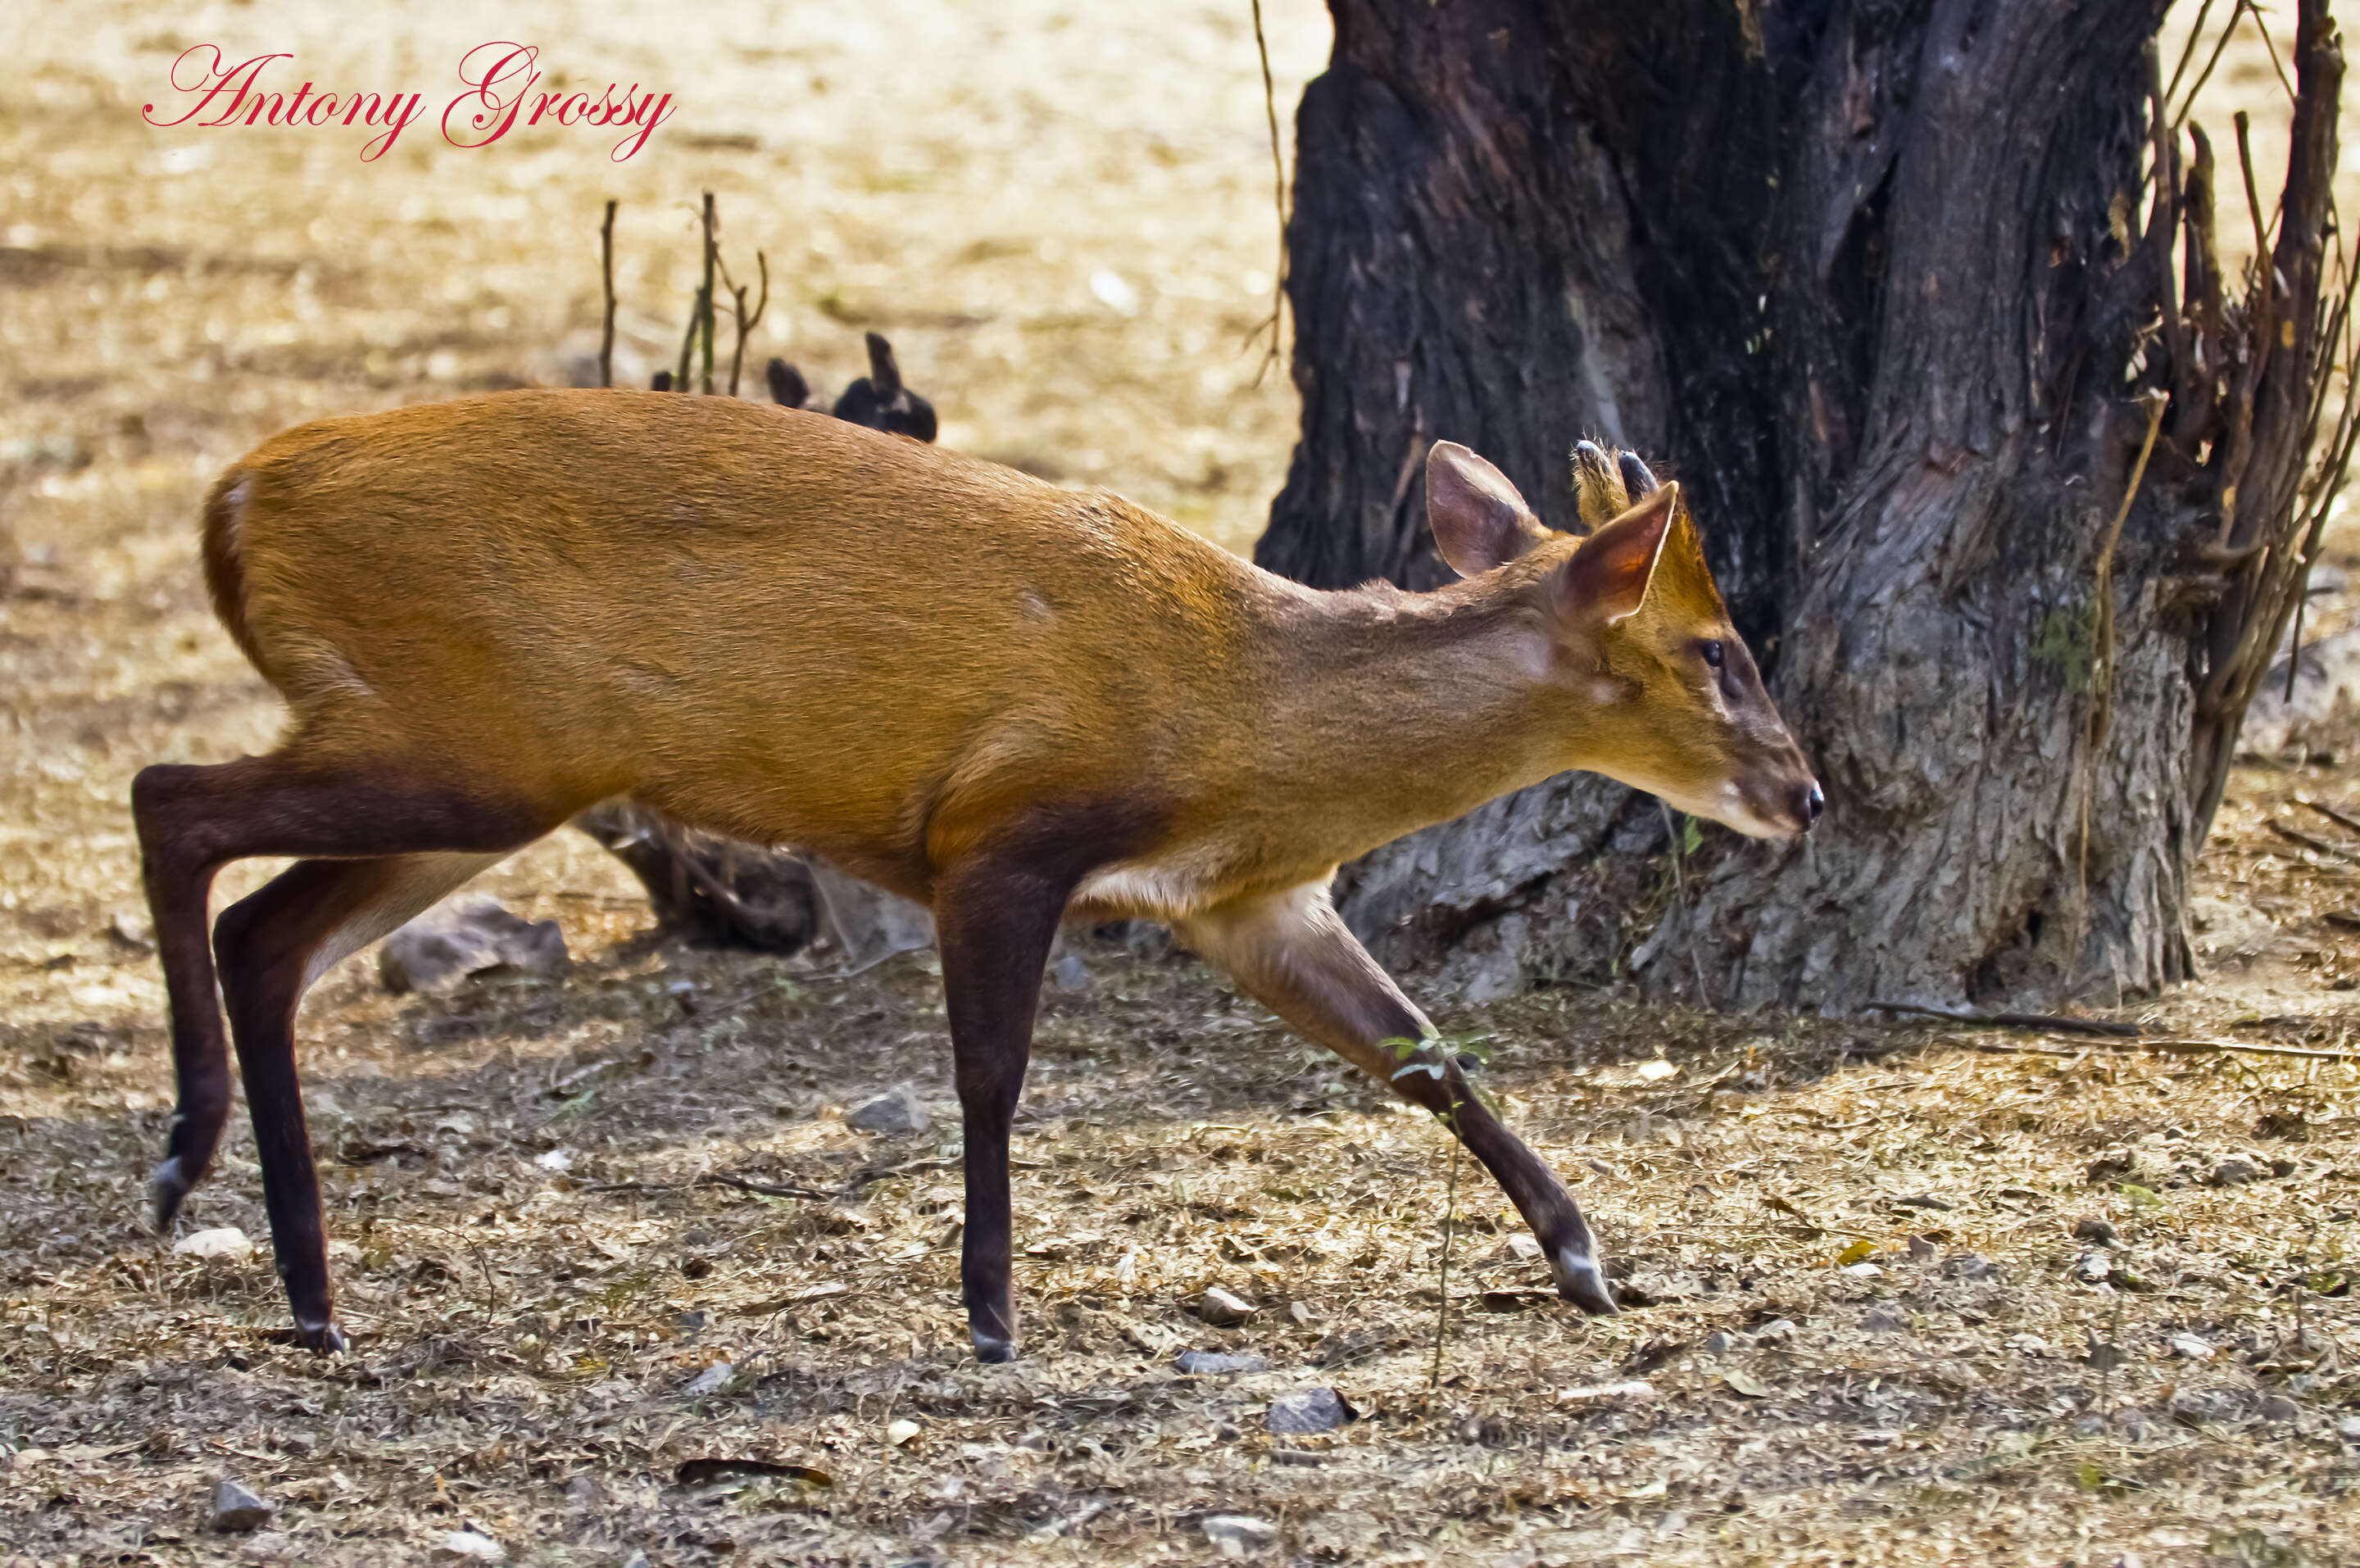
[{"x": 1712, "y": 655}]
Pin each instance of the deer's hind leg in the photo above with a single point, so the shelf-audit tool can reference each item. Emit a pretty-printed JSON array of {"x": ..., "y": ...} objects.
[
  {"x": 272, "y": 946},
  {"x": 1292, "y": 954},
  {"x": 379, "y": 845}
]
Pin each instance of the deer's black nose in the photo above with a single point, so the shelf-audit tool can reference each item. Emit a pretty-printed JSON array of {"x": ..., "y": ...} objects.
[{"x": 1813, "y": 803}]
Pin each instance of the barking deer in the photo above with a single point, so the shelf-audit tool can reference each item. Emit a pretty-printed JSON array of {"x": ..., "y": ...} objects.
[{"x": 1014, "y": 703}]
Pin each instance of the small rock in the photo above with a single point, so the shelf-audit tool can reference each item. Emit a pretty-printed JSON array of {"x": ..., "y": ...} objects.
[
  {"x": 1922, "y": 1250},
  {"x": 2348, "y": 1429},
  {"x": 2113, "y": 1165},
  {"x": 1234, "y": 1535},
  {"x": 2092, "y": 1267},
  {"x": 133, "y": 929},
  {"x": 557, "y": 1160},
  {"x": 2188, "y": 1348},
  {"x": 2278, "y": 1407},
  {"x": 236, "y": 1508},
  {"x": 468, "y": 1546},
  {"x": 1606, "y": 1393},
  {"x": 1312, "y": 1409},
  {"x": 468, "y": 936},
  {"x": 221, "y": 1241},
  {"x": 1073, "y": 974},
  {"x": 2094, "y": 1230},
  {"x": 1778, "y": 1330},
  {"x": 1718, "y": 1343},
  {"x": 1300, "y": 1311},
  {"x": 1864, "y": 1270},
  {"x": 1524, "y": 1248},
  {"x": 1214, "y": 1364},
  {"x": 1884, "y": 1320},
  {"x": 1223, "y": 1309},
  {"x": 712, "y": 1380},
  {"x": 2283, "y": 1167},
  {"x": 2234, "y": 1171},
  {"x": 2198, "y": 1407},
  {"x": 893, "y": 1112},
  {"x": 901, "y": 1432},
  {"x": 1970, "y": 1266}
]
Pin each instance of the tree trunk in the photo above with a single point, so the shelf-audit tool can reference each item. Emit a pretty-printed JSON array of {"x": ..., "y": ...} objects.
[{"x": 1883, "y": 282}]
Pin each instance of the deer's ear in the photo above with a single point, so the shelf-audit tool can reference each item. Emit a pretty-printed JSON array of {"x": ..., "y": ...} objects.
[
  {"x": 1607, "y": 578},
  {"x": 1479, "y": 518}
]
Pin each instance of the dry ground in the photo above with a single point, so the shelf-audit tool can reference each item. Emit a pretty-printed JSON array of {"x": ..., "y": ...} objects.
[{"x": 526, "y": 1337}]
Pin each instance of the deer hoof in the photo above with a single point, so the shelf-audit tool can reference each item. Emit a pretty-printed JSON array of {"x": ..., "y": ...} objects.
[
  {"x": 1580, "y": 1280},
  {"x": 321, "y": 1338}
]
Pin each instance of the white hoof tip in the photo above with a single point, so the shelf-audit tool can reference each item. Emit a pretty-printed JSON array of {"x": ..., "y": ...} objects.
[
  {"x": 323, "y": 1339},
  {"x": 1580, "y": 1280}
]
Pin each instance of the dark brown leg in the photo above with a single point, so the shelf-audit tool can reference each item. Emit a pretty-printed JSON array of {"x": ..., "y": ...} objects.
[
  {"x": 192, "y": 820},
  {"x": 994, "y": 925},
  {"x": 272, "y": 946},
  {"x": 1292, "y": 954}
]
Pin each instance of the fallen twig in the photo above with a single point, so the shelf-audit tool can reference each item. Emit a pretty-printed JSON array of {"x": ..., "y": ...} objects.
[
  {"x": 2062, "y": 1023},
  {"x": 2192, "y": 1047},
  {"x": 736, "y": 1183},
  {"x": 2316, "y": 845},
  {"x": 2329, "y": 813}
]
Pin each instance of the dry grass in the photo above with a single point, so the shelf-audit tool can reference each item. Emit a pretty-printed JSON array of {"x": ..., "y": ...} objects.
[{"x": 526, "y": 1339}]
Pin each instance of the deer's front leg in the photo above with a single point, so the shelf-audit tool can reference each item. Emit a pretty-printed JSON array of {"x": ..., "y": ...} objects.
[
  {"x": 1292, "y": 953},
  {"x": 994, "y": 922}
]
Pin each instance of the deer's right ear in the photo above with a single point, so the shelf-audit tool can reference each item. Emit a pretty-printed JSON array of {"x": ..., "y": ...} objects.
[
  {"x": 1607, "y": 578},
  {"x": 1479, "y": 516}
]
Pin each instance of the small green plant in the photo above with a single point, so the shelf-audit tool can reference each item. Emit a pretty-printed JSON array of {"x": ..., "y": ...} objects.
[{"x": 1434, "y": 1056}]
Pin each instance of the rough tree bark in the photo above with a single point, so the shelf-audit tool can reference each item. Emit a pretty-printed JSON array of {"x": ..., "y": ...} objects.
[{"x": 1887, "y": 285}]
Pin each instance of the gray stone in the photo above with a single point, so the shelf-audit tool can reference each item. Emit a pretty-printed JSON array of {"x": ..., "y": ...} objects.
[
  {"x": 712, "y": 1380},
  {"x": 2188, "y": 1348},
  {"x": 1969, "y": 1265},
  {"x": 1214, "y": 1364},
  {"x": 1234, "y": 1535},
  {"x": 1073, "y": 974},
  {"x": 1884, "y": 1319},
  {"x": 2200, "y": 1407},
  {"x": 1921, "y": 1250},
  {"x": 895, "y": 1111},
  {"x": 2348, "y": 1429},
  {"x": 468, "y": 936},
  {"x": 2278, "y": 1407},
  {"x": 2236, "y": 1171},
  {"x": 2326, "y": 681},
  {"x": 2092, "y": 1267},
  {"x": 237, "y": 1508},
  {"x": 1308, "y": 1410},
  {"x": 867, "y": 924},
  {"x": 1778, "y": 1330},
  {"x": 1717, "y": 1343}
]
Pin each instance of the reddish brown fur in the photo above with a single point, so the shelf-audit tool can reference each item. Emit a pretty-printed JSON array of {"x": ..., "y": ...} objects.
[{"x": 1011, "y": 701}]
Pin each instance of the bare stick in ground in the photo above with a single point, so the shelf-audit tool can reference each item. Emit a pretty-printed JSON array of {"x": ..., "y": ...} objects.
[
  {"x": 746, "y": 323},
  {"x": 705, "y": 295},
  {"x": 606, "y": 271}
]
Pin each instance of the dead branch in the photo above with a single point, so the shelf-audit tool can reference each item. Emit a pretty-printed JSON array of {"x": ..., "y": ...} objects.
[{"x": 2061, "y": 1022}]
